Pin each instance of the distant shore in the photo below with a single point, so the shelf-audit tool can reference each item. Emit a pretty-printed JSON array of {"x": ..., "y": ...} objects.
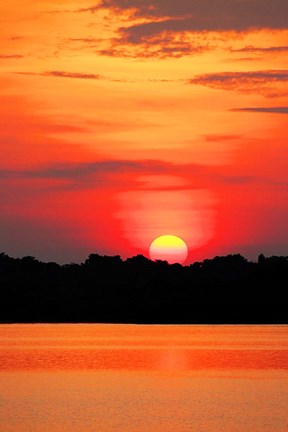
[{"x": 219, "y": 291}]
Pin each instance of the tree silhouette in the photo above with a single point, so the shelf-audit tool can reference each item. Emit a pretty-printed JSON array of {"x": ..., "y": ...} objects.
[{"x": 225, "y": 289}]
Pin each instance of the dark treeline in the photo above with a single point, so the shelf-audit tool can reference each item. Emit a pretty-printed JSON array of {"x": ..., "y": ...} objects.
[{"x": 226, "y": 289}]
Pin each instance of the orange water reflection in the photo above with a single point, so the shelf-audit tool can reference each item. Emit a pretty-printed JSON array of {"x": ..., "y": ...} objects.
[
  {"x": 118, "y": 347},
  {"x": 99, "y": 378}
]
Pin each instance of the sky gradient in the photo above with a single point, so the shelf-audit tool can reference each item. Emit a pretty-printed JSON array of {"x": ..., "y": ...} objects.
[{"x": 121, "y": 121}]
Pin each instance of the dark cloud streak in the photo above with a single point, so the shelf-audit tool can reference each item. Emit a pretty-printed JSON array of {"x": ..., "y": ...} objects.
[
  {"x": 11, "y": 56},
  {"x": 271, "y": 110},
  {"x": 221, "y": 138},
  {"x": 63, "y": 74},
  {"x": 253, "y": 49},
  {"x": 109, "y": 173},
  {"x": 71, "y": 75},
  {"x": 84, "y": 170},
  {"x": 262, "y": 82},
  {"x": 77, "y": 75}
]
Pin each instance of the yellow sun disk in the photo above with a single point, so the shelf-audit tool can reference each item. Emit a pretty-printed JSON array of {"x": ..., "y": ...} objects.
[{"x": 170, "y": 248}]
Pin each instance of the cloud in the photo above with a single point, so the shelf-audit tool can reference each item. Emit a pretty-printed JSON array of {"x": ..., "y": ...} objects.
[
  {"x": 82, "y": 176},
  {"x": 247, "y": 13},
  {"x": 221, "y": 138},
  {"x": 16, "y": 37},
  {"x": 85, "y": 40},
  {"x": 57, "y": 11},
  {"x": 243, "y": 59},
  {"x": 239, "y": 180},
  {"x": 91, "y": 9},
  {"x": 267, "y": 82},
  {"x": 11, "y": 56},
  {"x": 262, "y": 50},
  {"x": 273, "y": 110},
  {"x": 160, "y": 47},
  {"x": 142, "y": 22},
  {"x": 77, "y": 75},
  {"x": 84, "y": 170},
  {"x": 116, "y": 173},
  {"x": 63, "y": 74},
  {"x": 72, "y": 75},
  {"x": 106, "y": 166},
  {"x": 198, "y": 15}
]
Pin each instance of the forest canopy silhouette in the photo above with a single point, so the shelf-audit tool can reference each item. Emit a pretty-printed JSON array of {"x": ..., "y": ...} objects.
[{"x": 107, "y": 289}]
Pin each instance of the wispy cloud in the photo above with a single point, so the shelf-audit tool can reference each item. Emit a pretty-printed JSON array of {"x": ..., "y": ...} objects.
[
  {"x": 71, "y": 75},
  {"x": 107, "y": 173},
  {"x": 162, "y": 48},
  {"x": 105, "y": 166},
  {"x": 262, "y": 50},
  {"x": 273, "y": 110},
  {"x": 11, "y": 56},
  {"x": 15, "y": 38},
  {"x": 63, "y": 74},
  {"x": 91, "y": 9},
  {"x": 86, "y": 40},
  {"x": 221, "y": 138},
  {"x": 77, "y": 75},
  {"x": 83, "y": 170},
  {"x": 263, "y": 82},
  {"x": 89, "y": 76}
]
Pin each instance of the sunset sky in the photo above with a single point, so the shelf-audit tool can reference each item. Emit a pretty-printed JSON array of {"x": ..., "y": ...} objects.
[{"x": 121, "y": 121}]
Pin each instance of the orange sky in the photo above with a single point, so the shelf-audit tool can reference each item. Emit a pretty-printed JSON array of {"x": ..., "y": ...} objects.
[{"x": 123, "y": 120}]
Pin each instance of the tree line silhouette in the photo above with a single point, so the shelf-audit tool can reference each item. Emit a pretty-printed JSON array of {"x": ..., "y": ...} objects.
[{"x": 106, "y": 289}]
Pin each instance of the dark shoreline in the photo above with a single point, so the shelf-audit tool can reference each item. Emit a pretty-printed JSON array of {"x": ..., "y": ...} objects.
[{"x": 222, "y": 291}]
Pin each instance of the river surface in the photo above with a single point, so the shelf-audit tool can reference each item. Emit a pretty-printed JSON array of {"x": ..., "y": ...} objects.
[{"x": 129, "y": 378}]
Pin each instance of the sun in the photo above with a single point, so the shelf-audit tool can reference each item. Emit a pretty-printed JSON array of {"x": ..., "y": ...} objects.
[{"x": 168, "y": 248}]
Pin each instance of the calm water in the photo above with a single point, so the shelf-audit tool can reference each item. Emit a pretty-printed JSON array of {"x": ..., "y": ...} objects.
[{"x": 108, "y": 378}]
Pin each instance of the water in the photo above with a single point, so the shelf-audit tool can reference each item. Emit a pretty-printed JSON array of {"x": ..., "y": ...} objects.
[{"x": 108, "y": 378}]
